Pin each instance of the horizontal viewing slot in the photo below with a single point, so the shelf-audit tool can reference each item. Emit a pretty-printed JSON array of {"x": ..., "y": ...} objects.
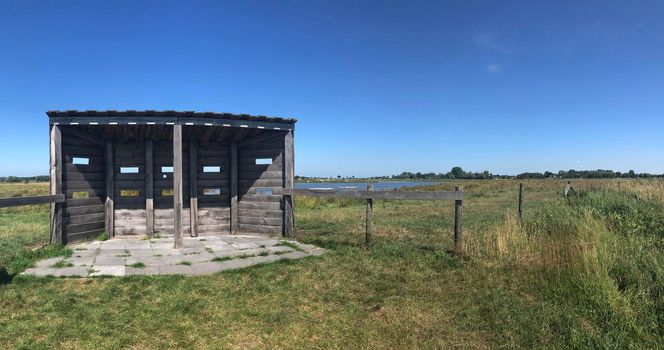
[
  {"x": 211, "y": 191},
  {"x": 129, "y": 170},
  {"x": 81, "y": 161},
  {"x": 211, "y": 169},
  {"x": 80, "y": 194},
  {"x": 263, "y": 161},
  {"x": 167, "y": 192},
  {"x": 128, "y": 193},
  {"x": 167, "y": 169},
  {"x": 264, "y": 191}
]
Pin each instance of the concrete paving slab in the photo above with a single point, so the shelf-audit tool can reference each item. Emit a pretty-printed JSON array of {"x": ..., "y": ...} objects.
[
  {"x": 205, "y": 268},
  {"x": 279, "y": 248},
  {"x": 49, "y": 262},
  {"x": 197, "y": 258},
  {"x": 107, "y": 271},
  {"x": 245, "y": 245},
  {"x": 148, "y": 270},
  {"x": 141, "y": 252},
  {"x": 84, "y": 253},
  {"x": 83, "y": 261},
  {"x": 109, "y": 261},
  {"x": 157, "y": 256},
  {"x": 175, "y": 270},
  {"x": 137, "y": 245}
]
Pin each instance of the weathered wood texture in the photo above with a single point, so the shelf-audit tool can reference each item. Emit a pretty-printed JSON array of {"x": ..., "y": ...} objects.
[
  {"x": 213, "y": 209},
  {"x": 193, "y": 187},
  {"x": 289, "y": 182},
  {"x": 55, "y": 147},
  {"x": 235, "y": 225},
  {"x": 130, "y": 211},
  {"x": 18, "y": 201},
  {"x": 84, "y": 185},
  {"x": 109, "y": 208},
  {"x": 260, "y": 186},
  {"x": 98, "y": 196},
  {"x": 149, "y": 187},
  {"x": 177, "y": 186},
  {"x": 458, "y": 217},
  {"x": 396, "y": 195}
]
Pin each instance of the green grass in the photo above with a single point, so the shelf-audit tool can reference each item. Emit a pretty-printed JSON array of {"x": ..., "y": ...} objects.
[
  {"x": 221, "y": 259},
  {"x": 138, "y": 265},
  {"x": 587, "y": 272},
  {"x": 24, "y": 231},
  {"x": 62, "y": 263},
  {"x": 289, "y": 245}
]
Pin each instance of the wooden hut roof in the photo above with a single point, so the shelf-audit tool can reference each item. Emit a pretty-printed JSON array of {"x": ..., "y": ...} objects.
[{"x": 151, "y": 117}]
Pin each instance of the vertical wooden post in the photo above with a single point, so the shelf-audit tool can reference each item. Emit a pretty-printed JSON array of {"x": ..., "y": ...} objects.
[
  {"x": 234, "y": 172},
  {"x": 109, "y": 205},
  {"x": 193, "y": 187},
  {"x": 289, "y": 180},
  {"x": 367, "y": 236},
  {"x": 56, "y": 164},
  {"x": 177, "y": 186},
  {"x": 458, "y": 215},
  {"x": 149, "y": 187},
  {"x": 520, "y": 199}
]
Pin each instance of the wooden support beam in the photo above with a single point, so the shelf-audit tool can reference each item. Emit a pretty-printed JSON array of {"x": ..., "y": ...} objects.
[
  {"x": 458, "y": 216},
  {"x": 367, "y": 236},
  {"x": 193, "y": 187},
  {"x": 57, "y": 237},
  {"x": 18, "y": 201},
  {"x": 177, "y": 186},
  {"x": 234, "y": 181},
  {"x": 109, "y": 206},
  {"x": 289, "y": 181},
  {"x": 149, "y": 187},
  {"x": 265, "y": 136},
  {"x": 85, "y": 136},
  {"x": 240, "y": 133}
]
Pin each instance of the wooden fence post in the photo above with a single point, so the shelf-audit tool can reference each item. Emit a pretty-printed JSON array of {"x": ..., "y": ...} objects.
[
  {"x": 520, "y": 199},
  {"x": 367, "y": 237},
  {"x": 458, "y": 214}
]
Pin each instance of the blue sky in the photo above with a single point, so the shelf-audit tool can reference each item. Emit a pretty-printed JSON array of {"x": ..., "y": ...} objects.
[{"x": 378, "y": 87}]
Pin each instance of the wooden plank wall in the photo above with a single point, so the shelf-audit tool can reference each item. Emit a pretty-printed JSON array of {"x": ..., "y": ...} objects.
[
  {"x": 130, "y": 217},
  {"x": 258, "y": 213},
  {"x": 214, "y": 210},
  {"x": 163, "y": 204},
  {"x": 83, "y": 217}
]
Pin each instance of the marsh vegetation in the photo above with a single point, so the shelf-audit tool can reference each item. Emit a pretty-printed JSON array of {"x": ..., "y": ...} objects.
[{"x": 581, "y": 272}]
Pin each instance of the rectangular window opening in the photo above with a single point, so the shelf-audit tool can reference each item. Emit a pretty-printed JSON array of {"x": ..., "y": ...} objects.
[
  {"x": 212, "y": 191},
  {"x": 167, "y": 192},
  {"x": 81, "y": 161},
  {"x": 129, "y": 170},
  {"x": 80, "y": 194},
  {"x": 129, "y": 193},
  {"x": 264, "y": 191},
  {"x": 167, "y": 169},
  {"x": 263, "y": 161},
  {"x": 211, "y": 169}
]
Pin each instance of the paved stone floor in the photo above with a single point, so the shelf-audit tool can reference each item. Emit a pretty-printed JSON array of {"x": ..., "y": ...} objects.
[{"x": 200, "y": 255}]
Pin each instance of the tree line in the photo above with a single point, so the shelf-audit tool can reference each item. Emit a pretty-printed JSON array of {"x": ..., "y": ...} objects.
[
  {"x": 459, "y": 173},
  {"x": 24, "y": 178}
]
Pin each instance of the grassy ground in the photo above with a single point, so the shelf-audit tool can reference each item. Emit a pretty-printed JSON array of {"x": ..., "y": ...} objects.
[{"x": 587, "y": 272}]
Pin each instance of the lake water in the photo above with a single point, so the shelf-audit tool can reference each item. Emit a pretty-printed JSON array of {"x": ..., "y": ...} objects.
[{"x": 377, "y": 186}]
